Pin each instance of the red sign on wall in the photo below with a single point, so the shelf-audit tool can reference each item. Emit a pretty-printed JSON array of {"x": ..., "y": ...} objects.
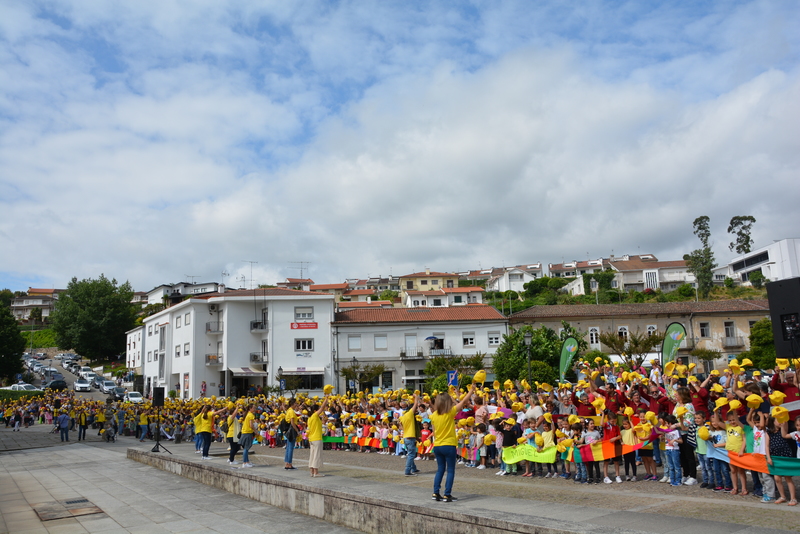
[{"x": 304, "y": 326}]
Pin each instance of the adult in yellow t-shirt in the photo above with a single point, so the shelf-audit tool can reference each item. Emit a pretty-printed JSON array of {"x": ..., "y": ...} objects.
[
  {"x": 234, "y": 427},
  {"x": 144, "y": 423},
  {"x": 246, "y": 441},
  {"x": 409, "y": 422},
  {"x": 314, "y": 431},
  {"x": 204, "y": 422},
  {"x": 444, "y": 444}
]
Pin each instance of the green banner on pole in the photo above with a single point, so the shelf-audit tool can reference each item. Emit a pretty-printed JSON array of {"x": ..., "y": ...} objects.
[
  {"x": 568, "y": 352},
  {"x": 673, "y": 337}
]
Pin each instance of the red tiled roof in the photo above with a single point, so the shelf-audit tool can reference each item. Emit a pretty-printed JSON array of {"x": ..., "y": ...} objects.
[
  {"x": 579, "y": 265},
  {"x": 299, "y": 281},
  {"x": 316, "y": 287},
  {"x": 35, "y": 291},
  {"x": 359, "y": 292},
  {"x": 479, "y": 312},
  {"x": 374, "y": 304},
  {"x": 644, "y": 308},
  {"x": 636, "y": 264},
  {"x": 470, "y": 289},
  {"x": 428, "y": 275}
]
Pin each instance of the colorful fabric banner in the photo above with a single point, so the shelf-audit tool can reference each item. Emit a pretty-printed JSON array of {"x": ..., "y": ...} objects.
[
  {"x": 569, "y": 349},
  {"x": 673, "y": 337},
  {"x": 785, "y": 467},
  {"x": 599, "y": 451},
  {"x": 516, "y": 454}
]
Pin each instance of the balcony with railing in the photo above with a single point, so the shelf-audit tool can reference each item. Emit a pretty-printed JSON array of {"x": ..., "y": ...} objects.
[
  {"x": 444, "y": 351},
  {"x": 689, "y": 343},
  {"x": 259, "y": 357},
  {"x": 257, "y": 327},
  {"x": 215, "y": 327},
  {"x": 411, "y": 353},
  {"x": 214, "y": 359},
  {"x": 733, "y": 341}
]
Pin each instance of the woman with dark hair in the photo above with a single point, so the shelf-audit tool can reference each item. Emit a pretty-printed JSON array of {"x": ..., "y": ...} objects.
[
  {"x": 203, "y": 425},
  {"x": 444, "y": 441},
  {"x": 291, "y": 432}
]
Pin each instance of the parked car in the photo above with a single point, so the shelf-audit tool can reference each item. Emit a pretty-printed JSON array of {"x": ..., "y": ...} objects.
[
  {"x": 107, "y": 386},
  {"x": 134, "y": 397},
  {"x": 56, "y": 385},
  {"x": 81, "y": 384},
  {"x": 22, "y": 387},
  {"x": 97, "y": 381},
  {"x": 118, "y": 392}
]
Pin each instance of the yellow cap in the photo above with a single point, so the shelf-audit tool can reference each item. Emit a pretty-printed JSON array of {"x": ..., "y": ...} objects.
[
  {"x": 753, "y": 401},
  {"x": 780, "y": 414}
]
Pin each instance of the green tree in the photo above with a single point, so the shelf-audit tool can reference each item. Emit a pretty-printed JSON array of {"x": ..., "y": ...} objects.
[
  {"x": 362, "y": 374},
  {"x": 762, "y": 345},
  {"x": 6, "y": 298},
  {"x": 633, "y": 349},
  {"x": 511, "y": 358},
  {"x": 92, "y": 316},
  {"x": 757, "y": 279},
  {"x": 36, "y": 315},
  {"x": 388, "y": 294},
  {"x": 463, "y": 365},
  {"x": 12, "y": 345},
  {"x": 706, "y": 354},
  {"x": 740, "y": 226},
  {"x": 700, "y": 262}
]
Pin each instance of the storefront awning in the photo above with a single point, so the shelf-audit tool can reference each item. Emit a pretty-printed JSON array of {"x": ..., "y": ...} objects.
[
  {"x": 304, "y": 371},
  {"x": 247, "y": 371}
]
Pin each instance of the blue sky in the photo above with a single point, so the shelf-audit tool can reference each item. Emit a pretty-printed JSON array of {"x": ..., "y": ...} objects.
[{"x": 152, "y": 141}]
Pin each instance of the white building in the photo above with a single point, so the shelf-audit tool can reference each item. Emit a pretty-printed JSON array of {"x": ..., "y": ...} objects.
[
  {"x": 512, "y": 279},
  {"x": 135, "y": 348},
  {"x": 158, "y": 294},
  {"x": 240, "y": 338},
  {"x": 403, "y": 339},
  {"x": 444, "y": 298},
  {"x": 636, "y": 273},
  {"x": 777, "y": 261}
]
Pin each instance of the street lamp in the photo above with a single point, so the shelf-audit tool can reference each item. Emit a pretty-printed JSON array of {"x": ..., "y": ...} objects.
[
  {"x": 354, "y": 363},
  {"x": 280, "y": 381},
  {"x": 528, "y": 337}
]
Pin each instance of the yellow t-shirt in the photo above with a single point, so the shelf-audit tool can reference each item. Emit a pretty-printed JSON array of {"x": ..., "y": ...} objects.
[
  {"x": 291, "y": 416},
  {"x": 314, "y": 430},
  {"x": 548, "y": 439},
  {"x": 444, "y": 427},
  {"x": 231, "y": 425},
  {"x": 408, "y": 420},
  {"x": 628, "y": 437},
  {"x": 247, "y": 426},
  {"x": 681, "y": 370},
  {"x": 100, "y": 418},
  {"x": 143, "y": 419},
  {"x": 735, "y": 438},
  {"x": 204, "y": 424}
]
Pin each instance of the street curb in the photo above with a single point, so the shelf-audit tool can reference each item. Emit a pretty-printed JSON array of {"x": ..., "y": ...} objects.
[{"x": 367, "y": 514}]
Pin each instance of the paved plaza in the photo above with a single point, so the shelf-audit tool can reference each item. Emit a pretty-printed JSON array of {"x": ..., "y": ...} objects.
[{"x": 138, "y": 498}]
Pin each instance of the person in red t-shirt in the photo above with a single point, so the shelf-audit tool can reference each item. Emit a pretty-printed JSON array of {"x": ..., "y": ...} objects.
[
  {"x": 611, "y": 433},
  {"x": 581, "y": 401}
]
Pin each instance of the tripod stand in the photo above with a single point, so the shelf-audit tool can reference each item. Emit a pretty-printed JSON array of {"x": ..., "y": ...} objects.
[{"x": 158, "y": 444}]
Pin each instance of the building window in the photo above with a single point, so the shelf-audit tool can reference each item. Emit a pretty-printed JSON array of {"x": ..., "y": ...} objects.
[
  {"x": 423, "y": 282},
  {"x": 437, "y": 302},
  {"x": 593, "y": 284},
  {"x": 416, "y": 303},
  {"x": 614, "y": 284},
  {"x": 457, "y": 299},
  {"x": 434, "y": 282},
  {"x": 594, "y": 335},
  {"x": 386, "y": 380},
  {"x": 730, "y": 329},
  {"x": 310, "y": 381},
  {"x": 178, "y": 321},
  {"x": 185, "y": 349},
  {"x": 411, "y": 372},
  {"x": 177, "y": 351},
  {"x": 381, "y": 342},
  {"x": 187, "y": 319},
  {"x": 150, "y": 330},
  {"x": 354, "y": 343},
  {"x": 305, "y": 313},
  {"x": 494, "y": 338},
  {"x": 705, "y": 330},
  {"x": 622, "y": 332},
  {"x": 304, "y": 344},
  {"x": 409, "y": 285},
  {"x": 449, "y": 283},
  {"x": 149, "y": 356},
  {"x": 651, "y": 329},
  {"x": 469, "y": 339}
]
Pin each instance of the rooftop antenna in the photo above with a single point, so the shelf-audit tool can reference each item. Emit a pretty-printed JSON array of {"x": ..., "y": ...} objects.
[
  {"x": 192, "y": 277},
  {"x": 251, "y": 271},
  {"x": 223, "y": 275},
  {"x": 302, "y": 264},
  {"x": 241, "y": 279}
]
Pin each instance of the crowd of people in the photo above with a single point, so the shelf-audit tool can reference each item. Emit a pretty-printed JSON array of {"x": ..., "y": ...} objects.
[{"x": 655, "y": 426}]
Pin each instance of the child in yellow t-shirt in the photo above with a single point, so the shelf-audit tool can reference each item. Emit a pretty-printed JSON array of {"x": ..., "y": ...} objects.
[{"x": 736, "y": 445}]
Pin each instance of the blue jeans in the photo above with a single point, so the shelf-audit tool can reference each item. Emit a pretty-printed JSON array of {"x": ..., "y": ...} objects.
[
  {"x": 580, "y": 471},
  {"x": 206, "y": 437},
  {"x": 674, "y": 465},
  {"x": 142, "y": 432},
  {"x": 81, "y": 432},
  {"x": 64, "y": 434},
  {"x": 706, "y": 469},
  {"x": 722, "y": 472},
  {"x": 657, "y": 451},
  {"x": 246, "y": 442},
  {"x": 411, "y": 451},
  {"x": 445, "y": 459},
  {"x": 287, "y": 456}
]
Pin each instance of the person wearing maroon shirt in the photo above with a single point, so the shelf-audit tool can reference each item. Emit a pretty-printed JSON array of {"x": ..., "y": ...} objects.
[
  {"x": 700, "y": 398},
  {"x": 611, "y": 396},
  {"x": 634, "y": 400},
  {"x": 784, "y": 381},
  {"x": 581, "y": 401},
  {"x": 657, "y": 400}
]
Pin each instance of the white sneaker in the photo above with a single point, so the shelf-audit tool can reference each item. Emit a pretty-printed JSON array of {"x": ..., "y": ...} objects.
[
  {"x": 684, "y": 479},
  {"x": 248, "y": 464},
  {"x": 500, "y": 473},
  {"x": 197, "y": 452},
  {"x": 606, "y": 480},
  {"x": 503, "y": 473},
  {"x": 665, "y": 479},
  {"x": 418, "y": 458},
  {"x": 481, "y": 467},
  {"x": 690, "y": 481},
  {"x": 547, "y": 475},
  {"x": 235, "y": 462},
  {"x": 618, "y": 480}
]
